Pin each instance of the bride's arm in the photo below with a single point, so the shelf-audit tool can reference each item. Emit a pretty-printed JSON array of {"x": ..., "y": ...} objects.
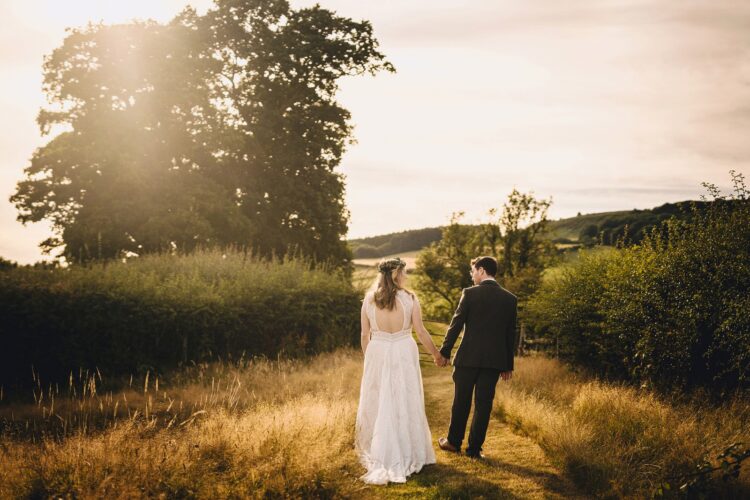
[
  {"x": 365, "y": 321},
  {"x": 424, "y": 336}
]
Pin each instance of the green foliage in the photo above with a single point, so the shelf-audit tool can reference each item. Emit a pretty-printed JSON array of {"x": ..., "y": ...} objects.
[
  {"x": 518, "y": 232},
  {"x": 220, "y": 128},
  {"x": 671, "y": 312},
  {"x": 7, "y": 264},
  {"x": 566, "y": 308},
  {"x": 280, "y": 72},
  {"x": 443, "y": 268},
  {"x": 703, "y": 481},
  {"x": 158, "y": 311},
  {"x": 588, "y": 233},
  {"x": 515, "y": 238}
]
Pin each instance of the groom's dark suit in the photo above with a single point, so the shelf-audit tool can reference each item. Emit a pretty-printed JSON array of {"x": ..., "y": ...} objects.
[{"x": 489, "y": 343}]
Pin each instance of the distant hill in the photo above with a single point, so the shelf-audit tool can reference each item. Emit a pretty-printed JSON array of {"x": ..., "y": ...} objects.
[
  {"x": 388, "y": 244},
  {"x": 585, "y": 228},
  {"x": 611, "y": 225}
]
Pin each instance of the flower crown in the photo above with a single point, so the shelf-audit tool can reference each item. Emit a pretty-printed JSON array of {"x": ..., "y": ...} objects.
[{"x": 387, "y": 266}]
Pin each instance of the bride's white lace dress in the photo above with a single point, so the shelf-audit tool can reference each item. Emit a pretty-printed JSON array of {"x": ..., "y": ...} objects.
[{"x": 393, "y": 437}]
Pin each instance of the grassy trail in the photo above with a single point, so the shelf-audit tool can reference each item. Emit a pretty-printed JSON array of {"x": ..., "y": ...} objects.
[
  {"x": 515, "y": 467},
  {"x": 285, "y": 429}
]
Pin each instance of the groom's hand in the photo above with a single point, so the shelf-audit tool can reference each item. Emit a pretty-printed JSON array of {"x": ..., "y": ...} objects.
[{"x": 506, "y": 375}]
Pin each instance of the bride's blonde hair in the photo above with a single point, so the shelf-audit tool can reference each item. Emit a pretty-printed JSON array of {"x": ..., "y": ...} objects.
[{"x": 387, "y": 287}]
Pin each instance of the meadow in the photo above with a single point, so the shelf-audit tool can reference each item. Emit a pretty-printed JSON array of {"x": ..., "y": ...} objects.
[
  {"x": 259, "y": 417},
  {"x": 196, "y": 368},
  {"x": 253, "y": 429},
  {"x": 221, "y": 430},
  {"x": 614, "y": 440}
]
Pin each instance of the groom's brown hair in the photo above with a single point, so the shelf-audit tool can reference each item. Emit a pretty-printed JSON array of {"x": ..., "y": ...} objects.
[{"x": 489, "y": 264}]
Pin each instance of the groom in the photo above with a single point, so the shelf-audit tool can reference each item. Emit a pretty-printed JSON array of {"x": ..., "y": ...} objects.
[{"x": 486, "y": 353}]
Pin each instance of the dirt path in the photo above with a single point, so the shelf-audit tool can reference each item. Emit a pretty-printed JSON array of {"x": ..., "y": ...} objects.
[{"x": 515, "y": 466}]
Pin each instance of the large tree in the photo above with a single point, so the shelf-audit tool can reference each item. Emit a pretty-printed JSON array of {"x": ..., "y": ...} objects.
[
  {"x": 279, "y": 78},
  {"x": 213, "y": 129},
  {"x": 130, "y": 169}
]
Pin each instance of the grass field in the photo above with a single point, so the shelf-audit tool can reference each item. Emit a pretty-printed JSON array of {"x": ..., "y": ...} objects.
[
  {"x": 262, "y": 428},
  {"x": 615, "y": 441},
  {"x": 409, "y": 257},
  {"x": 223, "y": 431},
  {"x": 365, "y": 270}
]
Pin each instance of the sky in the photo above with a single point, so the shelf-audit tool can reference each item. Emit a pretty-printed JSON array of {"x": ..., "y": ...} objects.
[{"x": 598, "y": 104}]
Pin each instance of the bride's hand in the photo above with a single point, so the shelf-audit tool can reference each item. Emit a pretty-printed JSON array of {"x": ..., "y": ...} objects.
[{"x": 439, "y": 359}]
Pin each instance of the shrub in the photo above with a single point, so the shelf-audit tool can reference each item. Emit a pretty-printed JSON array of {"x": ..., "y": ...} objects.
[
  {"x": 671, "y": 312},
  {"x": 156, "y": 312}
]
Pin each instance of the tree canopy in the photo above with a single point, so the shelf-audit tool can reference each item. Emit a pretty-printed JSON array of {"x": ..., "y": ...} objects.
[{"x": 212, "y": 129}]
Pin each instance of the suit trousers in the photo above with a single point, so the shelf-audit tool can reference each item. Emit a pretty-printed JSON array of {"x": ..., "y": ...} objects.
[{"x": 479, "y": 382}]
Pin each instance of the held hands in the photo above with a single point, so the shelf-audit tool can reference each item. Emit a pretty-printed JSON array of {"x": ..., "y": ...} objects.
[
  {"x": 506, "y": 375},
  {"x": 440, "y": 360}
]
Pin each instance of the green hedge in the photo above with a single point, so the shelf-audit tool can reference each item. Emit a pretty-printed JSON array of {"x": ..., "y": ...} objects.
[
  {"x": 672, "y": 312},
  {"x": 155, "y": 312}
]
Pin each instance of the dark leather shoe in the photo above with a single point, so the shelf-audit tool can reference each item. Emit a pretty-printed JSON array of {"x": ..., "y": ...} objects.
[
  {"x": 446, "y": 445},
  {"x": 476, "y": 456}
]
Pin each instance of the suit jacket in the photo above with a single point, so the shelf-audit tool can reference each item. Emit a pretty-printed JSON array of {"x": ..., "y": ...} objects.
[{"x": 490, "y": 340}]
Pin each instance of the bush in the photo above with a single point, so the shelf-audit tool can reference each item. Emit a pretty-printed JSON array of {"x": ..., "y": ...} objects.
[
  {"x": 7, "y": 264},
  {"x": 671, "y": 312},
  {"x": 566, "y": 309},
  {"x": 159, "y": 311}
]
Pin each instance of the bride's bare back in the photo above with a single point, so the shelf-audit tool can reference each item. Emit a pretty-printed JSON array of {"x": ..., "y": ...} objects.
[
  {"x": 407, "y": 313},
  {"x": 391, "y": 321}
]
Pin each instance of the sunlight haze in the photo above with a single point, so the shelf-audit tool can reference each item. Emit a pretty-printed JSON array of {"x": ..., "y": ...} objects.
[{"x": 601, "y": 105}]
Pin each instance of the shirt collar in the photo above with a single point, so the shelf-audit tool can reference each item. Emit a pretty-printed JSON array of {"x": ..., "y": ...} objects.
[{"x": 489, "y": 281}]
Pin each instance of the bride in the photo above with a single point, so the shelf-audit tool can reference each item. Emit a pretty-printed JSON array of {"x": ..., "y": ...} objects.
[{"x": 393, "y": 438}]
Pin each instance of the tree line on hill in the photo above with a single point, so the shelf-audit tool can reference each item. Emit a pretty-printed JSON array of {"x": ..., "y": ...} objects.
[
  {"x": 605, "y": 228},
  {"x": 634, "y": 225},
  {"x": 388, "y": 244}
]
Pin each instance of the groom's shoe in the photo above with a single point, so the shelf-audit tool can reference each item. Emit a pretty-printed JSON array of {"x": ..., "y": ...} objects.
[
  {"x": 446, "y": 445},
  {"x": 476, "y": 456}
]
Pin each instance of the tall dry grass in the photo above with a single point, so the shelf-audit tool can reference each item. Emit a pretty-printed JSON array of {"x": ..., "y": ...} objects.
[
  {"x": 244, "y": 430},
  {"x": 614, "y": 440}
]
